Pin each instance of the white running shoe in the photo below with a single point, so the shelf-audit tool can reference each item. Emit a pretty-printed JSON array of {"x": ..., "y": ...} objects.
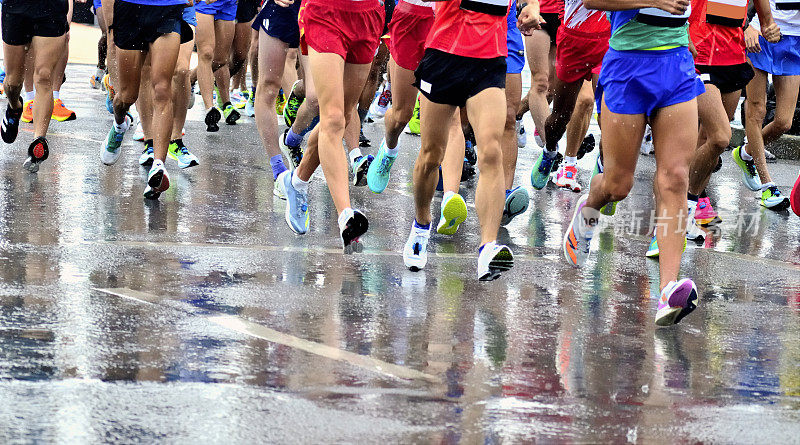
[
  {"x": 415, "y": 252},
  {"x": 138, "y": 133},
  {"x": 522, "y": 137},
  {"x": 494, "y": 259},
  {"x": 538, "y": 138},
  {"x": 647, "y": 143}
]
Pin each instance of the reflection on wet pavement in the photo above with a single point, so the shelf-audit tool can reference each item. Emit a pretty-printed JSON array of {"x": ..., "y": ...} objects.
[{"x": 205, "y": 335}]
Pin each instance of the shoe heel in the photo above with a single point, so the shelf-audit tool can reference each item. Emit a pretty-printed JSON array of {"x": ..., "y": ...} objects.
[{"x": 155, "y": 180}]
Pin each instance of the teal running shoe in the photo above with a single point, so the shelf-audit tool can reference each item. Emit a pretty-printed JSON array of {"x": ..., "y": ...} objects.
[
  {"x": 541, "y": 170},
  {"x": 379, "y": 170}
]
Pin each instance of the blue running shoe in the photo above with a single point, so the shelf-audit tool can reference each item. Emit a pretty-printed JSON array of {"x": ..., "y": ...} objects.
[
  {"x": 109, "y": 104},
  {"x": 379, "y": 169},
  {"x": 517, "y": 201},
  {"x": 297, "y": 215},
  {"x": 111, "y": 148},
  {"x": 541, "y": 171}
]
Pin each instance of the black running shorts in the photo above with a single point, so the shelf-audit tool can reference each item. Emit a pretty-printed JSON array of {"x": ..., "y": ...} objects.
[
  {"x": 137, "y": 26},
  {"x": 728, "y": 78},
  {"x": 246, "y": 11},
  {"x": 551, "y": 25},
  {"x": 449, "y": 79},
  {"x": 25, "y": 19}
]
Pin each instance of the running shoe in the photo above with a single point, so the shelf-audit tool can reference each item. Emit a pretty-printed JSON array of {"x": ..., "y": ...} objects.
[
  {"x": 541, "y": 170},
  {"x": 109, "y": 104},
  {"x": 795, "y": 196},
  {"x": 27, "y": 112},
  {"x": 147, "y": 156},
  {"x": 250, "y": 106},
  {"x": 516, "y": 204},
  {"x": 772, "y": 198},
  {"x": 230, "y": 113},
  {"x": 382, "y": 101},
  {"x": 178, "y": 151},
  {"x": 277, "y": 189},
  {"x": 108, "y": 87},
  {"x": 293, "y": 153},
  {"x": 652, "y": 249},
  {"x": 61, "y": 113},
  {"x": 470, "y": 154},
  {"x": 415, "y": 252},
  {"x": 705, "y": 214},
  {"x": 453, "y": 213},
  {"x": 213, "y": 117},
  {"x": 280, "y": 102},
  {"x": 293, "y": 103},
  {"x": 10, "y": 125},
  {"x": 522, "y": 137},
  {"x": 297, "y": 215},
  {"x": 157, "y": 181},
  {"x": 693, "y": 231},
  {"x": 678, "y": 299},
  {"x": 362, "y": 140},
  {"x": 111, "y": 149},
  {"x": 414, "y": 123},
  {"x": 567, "y": 177},
  {"x": 538, "y": 138},
  {"x": 352, "y": 225},
  {"x": 749, "y": 173},
  {"x": 360, "y": 167},
  {"x": 138, "y": 133},
  {"x": 95, "y": 81},
  {"x": 238, "y": 99},
  {"x": 379, "y": 170},
  {"x": 38, "y": 151},
  {"x": 647, "y": 147},
  {"x": 611, "y": 208},
  {"x": 576, "y": 243},
  {"x": 587, "y": 146},
  {"x": 494, "y": 259}
]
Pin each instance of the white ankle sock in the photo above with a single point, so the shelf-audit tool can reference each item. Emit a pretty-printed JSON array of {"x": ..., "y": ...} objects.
[
  {"x": 299, "y": 185},
  {"x": 745, "y": 155}
]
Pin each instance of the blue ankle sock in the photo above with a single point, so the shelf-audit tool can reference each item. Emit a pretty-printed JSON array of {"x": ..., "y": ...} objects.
[
  {"x": 276, "y": 162},
  {"x": 292, "y": 139},
  {"x": 422, "y": 226}
]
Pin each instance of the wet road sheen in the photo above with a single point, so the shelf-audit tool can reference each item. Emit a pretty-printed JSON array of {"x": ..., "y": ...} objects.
[{"x": 203, "y": 319}]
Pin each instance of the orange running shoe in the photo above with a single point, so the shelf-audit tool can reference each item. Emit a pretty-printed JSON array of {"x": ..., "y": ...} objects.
[
  {"x": 27, "y": 112},
  {"x": 62, "y": 113},
  {"x": 107, "y": 84}
]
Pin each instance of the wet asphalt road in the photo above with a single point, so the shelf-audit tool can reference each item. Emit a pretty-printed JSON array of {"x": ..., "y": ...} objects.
[{"x": 203, "y": 319}]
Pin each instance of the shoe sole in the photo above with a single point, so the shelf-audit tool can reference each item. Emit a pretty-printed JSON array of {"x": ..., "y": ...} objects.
[
  {"x": 71, "y": 117},
  {"x": 708, "y": 222},
  {"x": 233, "y": 117},
  {"x": 212, "y": 121},
  {"x": 675, "y": 314},
  {"x": 38, "y": 152},
  {"x": 743, "y": 167},
  {"x": 502, "y": 261},
  {"x": 454, "y": 214},
  {"x": 155, "y": 180},
  {"x": 509, "y": 213},
  {"x": 778, "y": 207},
  {"x": 352, "y": 233},
  {"x": 571, "y": 232},
  {"x": 360, "y": 174}
]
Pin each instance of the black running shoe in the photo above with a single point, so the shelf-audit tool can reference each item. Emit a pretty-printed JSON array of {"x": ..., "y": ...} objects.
[
  {"x": 355, "y": 227},
  {"x": 10, "y": 125},
  {"x": 38, "y": 151},
  {"x": 212, "y": 120}
]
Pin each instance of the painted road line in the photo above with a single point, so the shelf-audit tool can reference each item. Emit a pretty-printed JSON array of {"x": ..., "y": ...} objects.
[{"x": 245, "y": 327}]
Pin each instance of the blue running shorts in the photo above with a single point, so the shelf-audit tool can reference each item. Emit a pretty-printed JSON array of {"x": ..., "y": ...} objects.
[
  {"x": 640, "y": 82},
  {"x": 779, "y": 59},
  {"x": 515, "y": 61},
  {"x": 279, "y": 22},
  {"x": 221, "y": 9},
  {"x": 189, "y": 16}
]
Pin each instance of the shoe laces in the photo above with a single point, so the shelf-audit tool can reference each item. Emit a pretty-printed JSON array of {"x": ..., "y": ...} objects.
[{"x": 385, "y": 165}]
